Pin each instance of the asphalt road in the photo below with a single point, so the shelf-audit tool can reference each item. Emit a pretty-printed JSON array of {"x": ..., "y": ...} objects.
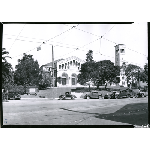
[{"x": 37, "y": 111}]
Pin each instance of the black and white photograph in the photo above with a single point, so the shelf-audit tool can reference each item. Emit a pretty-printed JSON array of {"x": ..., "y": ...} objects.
[{"x": 64, "y": 74}]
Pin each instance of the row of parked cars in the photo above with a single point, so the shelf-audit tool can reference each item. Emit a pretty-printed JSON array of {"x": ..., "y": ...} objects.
[{"x": 114, "y": 94}]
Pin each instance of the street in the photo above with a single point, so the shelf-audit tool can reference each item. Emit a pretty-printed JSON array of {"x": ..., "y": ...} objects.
[{"x": 40, "y": 111}]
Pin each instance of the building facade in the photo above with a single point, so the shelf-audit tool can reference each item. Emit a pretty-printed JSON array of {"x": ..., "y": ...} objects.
[
  {"x": 65, "y": 71},
  {"x": 119, "y": 60}
]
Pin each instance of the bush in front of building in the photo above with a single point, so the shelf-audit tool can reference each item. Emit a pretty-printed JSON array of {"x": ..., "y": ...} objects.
[{"x": 17, "y": 89}]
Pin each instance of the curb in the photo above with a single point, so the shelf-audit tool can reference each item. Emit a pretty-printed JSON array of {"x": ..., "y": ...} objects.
[{"x": 41, "y": 98}]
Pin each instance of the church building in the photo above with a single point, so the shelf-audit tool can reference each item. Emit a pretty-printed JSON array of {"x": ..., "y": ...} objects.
[{"x": 65, "y": 71}]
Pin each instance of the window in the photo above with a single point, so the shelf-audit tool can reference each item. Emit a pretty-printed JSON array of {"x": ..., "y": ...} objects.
[
  {"x": 59, "y": 66},
  {"x": 73, "y": 62},
  {"x": 73, "y": 81},
  {"x": 62, "y": 66},
  {"x": 63, "y": 81},
  {"x": 65, "y": 65},
  {"x": 70, "y": 63},
  {"x": 122, "y": 50}
]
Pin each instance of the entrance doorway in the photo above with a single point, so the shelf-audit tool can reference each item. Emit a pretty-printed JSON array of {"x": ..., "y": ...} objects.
[
  {"x": 73, "y": 81},
  {"x": 63, "y": 81}
]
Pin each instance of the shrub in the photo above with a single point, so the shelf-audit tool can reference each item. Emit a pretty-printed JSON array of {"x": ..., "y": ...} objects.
[{"x": 16, "y": 88}]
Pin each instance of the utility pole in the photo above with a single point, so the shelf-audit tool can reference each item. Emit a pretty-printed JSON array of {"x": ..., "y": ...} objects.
[
  {"x": 53, "y": 69},
  {"x": 53, "y": 64},
  {"x": 138, "y": 78}
]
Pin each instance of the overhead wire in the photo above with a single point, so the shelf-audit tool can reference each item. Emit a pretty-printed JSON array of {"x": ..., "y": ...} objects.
[
  {"x": 40, "y": 41},
  {"x": 47, "y": 40},
  {"x": 105, "y": 39},
  {"x": 68, "y": 44},
  {"x": 17, "y": 37}
]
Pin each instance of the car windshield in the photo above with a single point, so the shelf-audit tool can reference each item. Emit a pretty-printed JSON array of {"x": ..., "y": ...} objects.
[{"x": 95, "y": 92}]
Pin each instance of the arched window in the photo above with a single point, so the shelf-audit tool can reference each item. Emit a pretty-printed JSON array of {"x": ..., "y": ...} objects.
[
  {"x": 73, "y": 62},
  {"x": 73, "y": 79},
  {"x": 64, "y": 78},
  {"x": 76, "y": 63},
  {"x": 59, "y": 66},
  {"x": 62, "y": 66},
  {"x": 70, "y": 63}
]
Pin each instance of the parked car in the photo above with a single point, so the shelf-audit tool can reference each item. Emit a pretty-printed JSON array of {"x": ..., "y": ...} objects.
[
  {"x": 114, "y": 94},
  {"x": 67, "y": 96},
  {"x": 107, "y": 96},
  {"x": 93, "y": 95},
  {"x": 142, "y": 93},
  {"x": 126, "y": 93},
  {"x": 14, "y": 95}
]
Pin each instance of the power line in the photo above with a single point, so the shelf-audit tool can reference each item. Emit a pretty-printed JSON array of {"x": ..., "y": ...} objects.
[
  {"x": 126, "y": 47},
  {"x": 17, "y": 37},
  {"x": 48, "y": 40},
  {"x": 105, "y": 39}
]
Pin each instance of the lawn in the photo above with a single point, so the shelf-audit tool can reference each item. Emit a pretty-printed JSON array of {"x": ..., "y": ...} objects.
[{"x": 135, "y": 114}]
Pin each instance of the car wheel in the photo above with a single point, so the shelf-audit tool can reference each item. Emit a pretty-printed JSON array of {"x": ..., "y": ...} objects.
[
  {"x": 72, "y": 97},
  {"x": 100, "y": 97},
  {"x": 128, "y": 95},
  {"x": 116, "y": 97},
  {"x": 142, "y": 95},
  {"x": 88, "y": 97},
  {"x": 35, "y": 94}
]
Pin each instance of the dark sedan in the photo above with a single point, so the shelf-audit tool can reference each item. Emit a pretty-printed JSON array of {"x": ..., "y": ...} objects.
[
  {"x": 14, "y": 95},
  {"x": 67, "y": 96}
]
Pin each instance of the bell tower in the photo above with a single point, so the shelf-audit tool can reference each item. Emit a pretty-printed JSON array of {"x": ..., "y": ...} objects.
[
  {"x": 119, "y": 59},
  {"x": 119, "y": 54}
]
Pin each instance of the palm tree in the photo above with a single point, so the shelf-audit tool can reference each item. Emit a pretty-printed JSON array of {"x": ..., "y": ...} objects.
[{"x": 4, "y": 52}]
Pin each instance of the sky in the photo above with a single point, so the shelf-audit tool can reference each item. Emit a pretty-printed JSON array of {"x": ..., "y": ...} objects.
[{"x": 76, "y": 40}]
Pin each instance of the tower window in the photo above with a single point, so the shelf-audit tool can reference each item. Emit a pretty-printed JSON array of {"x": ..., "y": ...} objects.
[{"x": 122, "y": 50}]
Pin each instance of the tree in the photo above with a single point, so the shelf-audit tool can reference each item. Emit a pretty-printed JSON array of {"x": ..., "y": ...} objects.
[
  {"x": 146, "y": 72},
  {"x": 86, "y": 72},
  {"x": 87, "y": 68},
  {"x": 98, "y": 72},
  {"x": 106, "y": 71},
  {"x": 89, "y": 56},
  {"x": 6, "y": 69},
  {"x": 27, "y": 71},
  {"x": 44, "y": 80},
  {"x": 133, "y": 73}
]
